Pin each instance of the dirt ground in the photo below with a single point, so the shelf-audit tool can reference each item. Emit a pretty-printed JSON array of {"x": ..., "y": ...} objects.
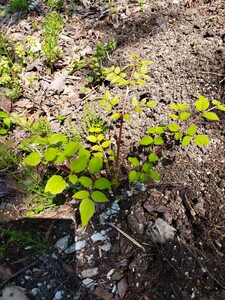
[{"x": 186, "y": 42}]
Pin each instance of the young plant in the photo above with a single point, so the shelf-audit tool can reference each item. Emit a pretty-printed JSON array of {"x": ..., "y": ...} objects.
[
  {"x": 19, "y": 5},
  {"x": 4, "y": 123},
  {"x": 52, "y": 27},
  {"x": 184, "y": 129}
]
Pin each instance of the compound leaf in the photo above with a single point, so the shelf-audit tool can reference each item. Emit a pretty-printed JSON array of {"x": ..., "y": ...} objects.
[{"x": 102, "y": 184}]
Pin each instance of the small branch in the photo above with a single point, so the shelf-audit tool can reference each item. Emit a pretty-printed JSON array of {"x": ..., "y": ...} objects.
[{"x": 10, "y": 278}]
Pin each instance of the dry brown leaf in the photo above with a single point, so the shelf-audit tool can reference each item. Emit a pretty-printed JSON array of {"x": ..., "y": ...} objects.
[
  {"x": 5, "y": 272},
  {"x": 103, "y": 294},
  {"x": 121, "y": 289},
  {"x": 5, "y": 104}
]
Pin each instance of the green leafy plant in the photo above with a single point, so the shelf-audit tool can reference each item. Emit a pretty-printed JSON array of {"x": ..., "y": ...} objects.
[
  {"x": 52, "y": 27},
  {"x": 26, "y": 239},
  {"x": 19, "y": 5},
  {"x": 90, "y": 169},
  {"x": 4, "y": 123}
]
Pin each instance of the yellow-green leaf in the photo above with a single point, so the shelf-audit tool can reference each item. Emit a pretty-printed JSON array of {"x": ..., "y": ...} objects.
[
  {"x": 201, "y": 140},
  {"x": 102, "y": 184},
  {"x": 33, "y": 159},
  {"x": 99, "y": 197},
  {"x": 146, "y": 140},
  {"x": 184, "y": 116},
  {"x": 85, "y": 181},
  {"x": 106, "y": 144},
  {"x": 81, "y": 194},
  {"x": 55, "y": 185},
  {"x": 92, "y": 138},
  {"x": 133, "y": 176},
  {"x": 134, "y": 161},
  {"x": 50, "y": 154},
  {"x": 192, "y": 130},
  {"x": 210, "y": 116},
  {"x": 95, "y": 165},
  {"x": 173, "y": 127},
  {"x": 151, "y": 103},
  {"x": 202, "y": 103},
  {"x": 186, "y": 140},
  {"x": 87, "y": 209},
  {"x": 73, "y": 178}
]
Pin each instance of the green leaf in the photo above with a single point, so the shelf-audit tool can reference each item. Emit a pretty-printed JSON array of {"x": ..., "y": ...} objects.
[
  {"x": 221, "y": 107},
  {"x": 147, "y": 167},
  {"x": 182, "y": 106},
  {"x": 96, "y": 148},
  {"x": 6, "y": 122},
  {"x": 55, "y": 185},
  {"x": 92, "y": 138},
  {"x": 127, "y": 117},
  {"x": 115, "y": 116},
  {"x": 173, "y": 116},
  {"x": 3, "y": 131},
  {"x": 100, "y": 137},
  {"x": 3, "y": 114},
  {"x": 146, "y": 140},
  {"x": 210, "y": 116},
  {"x": 134, "y": 161},
  {"x": 138, "y": 110},
  {"x": 201, "y": 140},
  {"x": 71, "y": 148},
  {"x": 151, "y": 130},
  {"x": 106, "y": 144},
  {"x": 50, "y": 154},
  {"x": 115, "y": 100},
  {"x": 81, "y": 194},
  {"x": 99, "y": 197},
  {"x": 84, "y": 152},
  {"x": 133, "y": 176},
  {"x": 33, "y": 159},
  {"x": 152, "y": 157},
  {"x": 216, "y": 102},
  {"x": 117, "y": 70},
  {"x": 202, "y": 103},
  {"x": 85, "y": 181},
  {"x": 159, "y": 129},
  {"x": 141, "y": 81},
  {"x": 60, "y": 158},
  {"x": 184, "y": 116},
  {"x": 143, "y": 177},
  {"x": 78, "y": 165},
  {"x": 178, "y": 135},
  {"x": 186, "y": 141},
  {"x": 173, "y": 106},
  {"x": 73, "y": 178},
  {"x": 158, "y": 140},
  {"x": 192, "y": 130},
  {"x": 154, "y": 175},
  {"x": 151, "y": 103},
  {"x": 57, "y": 138},
  {"x": 134, "y": 102},
  {"x": 95, "y": 165},
  {"x": 87, "y": 209},
  {"x": 173, "y": 127},
  {"x": 102, "y": 184},
  {"x": 107, "y": 95}
]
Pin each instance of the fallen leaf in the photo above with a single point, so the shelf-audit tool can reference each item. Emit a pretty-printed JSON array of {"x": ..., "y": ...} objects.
[
  {"x": 58, "y": 84},
  {"x": 5, "y": 272},
  {"x": 121, "y": 289},
  {"x": 103, "y": 294},
  {"x": 5, "y": 104}
]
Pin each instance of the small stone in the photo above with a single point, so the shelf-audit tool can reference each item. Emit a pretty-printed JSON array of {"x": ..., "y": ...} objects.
[
  {"x": 62, "y": 244},
  {"x": 59, "y": 295},
  {"x": 34, "y": 291},
  {"x": 89, "y": 272},
  {"x": 106, "y": 246},
  {"x": 160, "y": 232},
  {"x": 88, "y": 282},
  {"x": 75, "y": 247},
  {"x": 98, "y": 237}
]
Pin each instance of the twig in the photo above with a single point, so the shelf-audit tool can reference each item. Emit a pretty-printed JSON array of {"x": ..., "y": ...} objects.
[
  {"x": 10, "y": 278},
  {"x": 128, "y": 237}
]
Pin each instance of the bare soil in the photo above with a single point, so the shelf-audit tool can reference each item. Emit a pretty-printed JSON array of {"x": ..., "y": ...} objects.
[{"x": 186, "y": 42}]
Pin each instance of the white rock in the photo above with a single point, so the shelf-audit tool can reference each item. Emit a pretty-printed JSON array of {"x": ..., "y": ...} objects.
[
  {"x": 13, "y": 293},
  {"x": 88, "y": 282},
  {"x": 34, "y": 291},
  {"x": 160, "y": 231},
  {"x": 109, "y": 274},
  {"x": 98, "y": 237},
  {"x": 106, "y": 247},
  {"x": 59, "y": 295},
  {"x": 62, "y": 244},
  {"x": 75, "y": 247},
  {"x": 110, "y": 212},
  {"x": 89, "y": 272}
]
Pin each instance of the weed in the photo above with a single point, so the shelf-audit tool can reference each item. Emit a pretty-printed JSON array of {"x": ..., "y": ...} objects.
[
  {"x": 4, "y": 123},
  {"x": 26, "y": 239},
  {"x": 19, "y": 5},
  {"x": 52, "y": 27}
]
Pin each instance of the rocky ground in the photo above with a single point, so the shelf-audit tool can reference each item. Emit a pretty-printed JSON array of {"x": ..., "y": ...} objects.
[{"x": 123, "y": 253}]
